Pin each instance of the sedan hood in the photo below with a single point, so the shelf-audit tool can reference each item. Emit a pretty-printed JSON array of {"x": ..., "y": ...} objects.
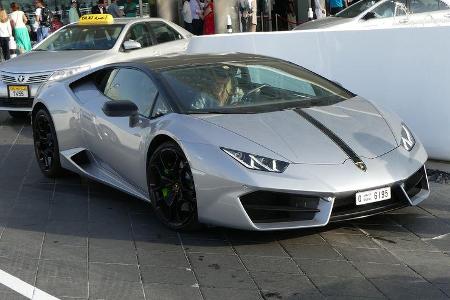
[
  {"x": 356, "y": 122},
  {"x": 42, "y": 61},
  {"x": 323, "y": 23}
]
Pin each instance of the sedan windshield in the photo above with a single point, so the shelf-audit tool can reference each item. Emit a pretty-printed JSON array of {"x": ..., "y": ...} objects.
[
  {"x": 356, "y": 9},
  {"x": 250, "y": 87},
  {"x": 76, "y": 37}
]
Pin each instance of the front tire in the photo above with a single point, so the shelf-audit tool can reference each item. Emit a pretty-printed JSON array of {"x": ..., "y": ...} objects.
[
  {"x": 46, "y": 144},
  {"x": 19, "y": 114},
  {"x": 171, "y": 187}
]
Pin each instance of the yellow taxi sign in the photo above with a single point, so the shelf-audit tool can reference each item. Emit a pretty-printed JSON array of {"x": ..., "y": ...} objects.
[{"x": 96, "y": 19}]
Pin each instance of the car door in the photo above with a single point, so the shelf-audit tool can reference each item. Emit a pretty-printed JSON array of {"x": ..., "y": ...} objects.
[
  {"x": 167, "y": 39},
  {"x": 141, "y": 33},
  {"x": 118, "y": 145}
]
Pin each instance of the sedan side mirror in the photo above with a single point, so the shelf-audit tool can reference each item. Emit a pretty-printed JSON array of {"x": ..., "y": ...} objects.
[
  {"x": 131, "y": 45},
  {"x": 120, "y": 108},
  {"x": 369, "y": 15}
]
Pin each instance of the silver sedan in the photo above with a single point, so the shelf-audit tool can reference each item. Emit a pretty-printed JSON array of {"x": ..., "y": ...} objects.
[{"x": 80, "y": 46}]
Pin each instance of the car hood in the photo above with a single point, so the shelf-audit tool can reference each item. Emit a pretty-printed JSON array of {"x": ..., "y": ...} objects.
[
  {"x": 323, "y": 23},
  {"x": 42, "y": 61},
  {"x": 356, "y": 122}
]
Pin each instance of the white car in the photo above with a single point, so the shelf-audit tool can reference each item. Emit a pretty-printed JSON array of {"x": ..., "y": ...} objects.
[
  {"x": 94, "y": 41},
  {"x": 384, "y": 13}
]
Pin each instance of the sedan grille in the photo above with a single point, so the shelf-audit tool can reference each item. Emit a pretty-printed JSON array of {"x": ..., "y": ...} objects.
[{"x": 39, "y": 78}]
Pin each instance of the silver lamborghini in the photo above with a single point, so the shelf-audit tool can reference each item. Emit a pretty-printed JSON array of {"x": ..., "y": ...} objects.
[{"x": 234, "y": 140}]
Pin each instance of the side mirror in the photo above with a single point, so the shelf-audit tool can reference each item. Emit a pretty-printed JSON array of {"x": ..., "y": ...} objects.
[
  {"x": 369, "y": 15},
  {"x": 131, "y": 45},
  {"x": 120, "y": 108}
]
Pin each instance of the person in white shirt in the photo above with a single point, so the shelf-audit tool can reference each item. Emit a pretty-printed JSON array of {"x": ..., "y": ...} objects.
[
  {"x": 20, "y": 30},
  {"x": 5, "y": 33},
  {"x": 187, "y": 16}
]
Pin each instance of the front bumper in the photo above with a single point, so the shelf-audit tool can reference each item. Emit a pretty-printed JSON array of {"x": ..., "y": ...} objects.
[{"x": 308, "y": 195}]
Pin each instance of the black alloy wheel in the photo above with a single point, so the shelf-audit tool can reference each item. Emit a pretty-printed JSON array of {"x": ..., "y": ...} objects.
[
  {"x": 46, "y": 144},
  {"x": 172, "y": 188},
  {"x": 19, "y": 114}
]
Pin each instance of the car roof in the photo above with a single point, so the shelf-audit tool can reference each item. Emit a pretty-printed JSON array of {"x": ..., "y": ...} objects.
[
  {"x": 160, "y": 63},
  {"x": 125, "y": 21}
]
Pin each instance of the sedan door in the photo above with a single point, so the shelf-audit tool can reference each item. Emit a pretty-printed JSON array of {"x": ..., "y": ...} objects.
[{"x": 167, "y": 39}]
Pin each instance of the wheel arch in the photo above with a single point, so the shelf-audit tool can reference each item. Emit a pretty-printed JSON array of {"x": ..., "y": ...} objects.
[{"x": 156, "y": 142}]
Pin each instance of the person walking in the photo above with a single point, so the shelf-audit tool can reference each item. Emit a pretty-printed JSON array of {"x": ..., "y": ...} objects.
[
  {"x": 43, "y": 18},
  {"x": 245, "y": 8},
  {"x": 196, "y": 12},
  {"x": 5, "y": 34},
  {"x": 74, "y": 12},
  {"x": 130, "y": 9},
  {"x": 187, "y": 16},
  {"x": 208, "y": 18},
  {"x": 336, "y": 6},
  {"x": 20, "y": 30},
  {"x": 99, "y": 8},
  {"x": 114, "y": 10}
]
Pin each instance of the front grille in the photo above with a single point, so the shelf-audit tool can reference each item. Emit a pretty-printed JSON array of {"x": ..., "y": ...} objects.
[
  {"x": 16, "y": 103},
  {"x": 10, "y": 78},
  {"x": 270, "y": 207},
  {"x": 38, "y": 79}
]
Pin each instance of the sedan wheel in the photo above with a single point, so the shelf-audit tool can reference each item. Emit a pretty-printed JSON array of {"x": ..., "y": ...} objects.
[
  {"x": 172, "y": 188},
  {"x": 46, "y": 144}
]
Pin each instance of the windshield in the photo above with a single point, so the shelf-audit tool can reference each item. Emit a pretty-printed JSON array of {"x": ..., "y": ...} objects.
[
  {"x": 76, "y": 37},
  {"x": 250, "y": 87},
  {"x": 356, "y": 9}
]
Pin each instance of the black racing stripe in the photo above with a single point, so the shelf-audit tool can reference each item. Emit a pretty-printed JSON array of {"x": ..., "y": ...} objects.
[{"x": 332, "y": 136}]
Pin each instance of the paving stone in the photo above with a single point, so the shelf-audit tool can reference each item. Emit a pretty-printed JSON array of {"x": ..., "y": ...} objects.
[
  {"x": 260, "y": 249},
  {"x": 62, "y": 268},
  {"x": 63, "y": 287},
  {"x": 108, "y": 231},
  {"x": 349, "y": 240},
  {"x": 441, "y": 243},
  {"x": 271, "y": 264},
  {"x": 422, "y": 257},
  {"x": 346, "y": 286},
  {"x": 11, "y": 295},
  {"x": 385, "y": 231},
  {"x": 163, "y": 259},
  {"x": 230, "y": 293},
  {"x": 67, "y": 233},
  {"x": 215, "y": 261},
  {"x": 168, "y": 244},
  {"x": 410, "y": 243},
  {"x": 152, "y": 231},
  {"x": 63, "y": 252},
  {"x": 154, "y": 274},
  {"x": 313, "y": 251},
  {"x": 20, "y": 267},
  {"x": 314, "y": 267},
  {"x": 275, "y": 295},
  {"x": 208, "y": 246},
  {"x": 158, "y": 291},
  {"x": 204, "y": 234},
  {"x": 419, "y": 289},
  {"x": 113, "y": 272},
  {"x": 367, "y": 255},
  {"x": 445, "y": 288},
  {"x": 224, "y": 278},
  {"x": 341, "y": 228},
  {"x": 19, "y": 250},
  {"x": 381, "y": 271},
  {"x": 436, "y": 273},
  {"x": 118, "y": 255},
  {"x": 288, "y": 237},
  {"x": 115, "y": 290},
  {"x": 284, "y": 283}
]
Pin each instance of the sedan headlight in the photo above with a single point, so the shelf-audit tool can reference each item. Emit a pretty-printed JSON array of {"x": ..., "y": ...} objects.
[
  {"x": 408, "y": 141},
  {"x": 257, "y": 162},
  {"x": 64, "y": 73}
]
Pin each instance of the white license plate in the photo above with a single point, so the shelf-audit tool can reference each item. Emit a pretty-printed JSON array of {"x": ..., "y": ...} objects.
[
  {"x": 18, "y": 91},
  {"x": 373, "y": 196}
]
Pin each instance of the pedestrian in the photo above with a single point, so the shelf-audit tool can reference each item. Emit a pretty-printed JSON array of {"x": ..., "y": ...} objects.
[
  {"x": 196, "y": 12},
  {"x": 114, "y": 10},
  {"x": 208, "y": 18},
  {"x": 187, "y": 16},
  {"x": 20, "y": 30},
  {"x": 130, "y": 9},
  {"x": 336, "y": 6},
  {"x": 5, "y": 33},
  {"x": 56, "y": 23},
  {"x": 74, "y": 12},
  {"x": 44, "y": 18},
  {"x": 245, "y": 8},
  {"x": 99, "y": 8},
  {"x": 319, "y": 9}
]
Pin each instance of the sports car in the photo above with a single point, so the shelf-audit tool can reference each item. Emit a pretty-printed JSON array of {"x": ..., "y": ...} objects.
[{"x": 234, "y": 140}]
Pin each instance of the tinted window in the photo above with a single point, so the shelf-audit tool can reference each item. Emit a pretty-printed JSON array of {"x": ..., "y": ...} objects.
[
  {"x": 164, "y": 33},
  {"x": 133, "y": 85},
  {"x": 250, "y": 86},
  {"x": 388, "y": 10},
  {"x": 141, "y": 34},
  {"x": 357, "y": 8},
  {"x": 104, "y": 78},
  {"x": 421, "y": 6},
  {"x": 76, "y": 37},
  {"x": 161, "y": 108}
]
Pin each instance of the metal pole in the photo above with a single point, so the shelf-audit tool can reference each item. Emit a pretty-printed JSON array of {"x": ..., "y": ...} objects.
[
  {"x": 276, "y": 22},
  {"x": 141, "y": 10},
  {"x": 269, "y": 10}
]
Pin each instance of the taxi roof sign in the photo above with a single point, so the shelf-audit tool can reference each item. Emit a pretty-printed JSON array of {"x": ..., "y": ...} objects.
[{"x": 96, "y": 19}]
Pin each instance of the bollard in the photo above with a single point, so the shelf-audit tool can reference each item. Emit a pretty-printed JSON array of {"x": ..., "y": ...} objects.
[
  {"x": 229, "y": 24},
  {"x": 310, "y": 14}
]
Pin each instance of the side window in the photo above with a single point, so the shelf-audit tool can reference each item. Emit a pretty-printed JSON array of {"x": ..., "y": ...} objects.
[
  {"x": 104, "y": 78},
  {"x": 161, "y": 108},
  {"x": 421, "y": 6},
  {"x": 141, "y": 34},
  {"x": 133, "y": 85},
  {"x": 164, "y": 33},
  {"x": 387, "y": 10}
]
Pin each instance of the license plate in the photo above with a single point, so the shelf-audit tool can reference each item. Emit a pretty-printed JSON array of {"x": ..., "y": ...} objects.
[
  {"x": 18, "y": 91},
  {"x": 373, "y": 196}
]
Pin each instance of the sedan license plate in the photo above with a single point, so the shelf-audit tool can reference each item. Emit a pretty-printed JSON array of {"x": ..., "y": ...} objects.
[
  {"x": 18, "y": 91},
  {"x": 373, "y": 196}
]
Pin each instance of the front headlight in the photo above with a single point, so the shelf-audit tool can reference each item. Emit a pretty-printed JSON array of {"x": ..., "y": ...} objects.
[
  {"x": 64, "y": 73},
  {"x": 408, "y": 141},
  {"x": 257, "y": 162}
]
